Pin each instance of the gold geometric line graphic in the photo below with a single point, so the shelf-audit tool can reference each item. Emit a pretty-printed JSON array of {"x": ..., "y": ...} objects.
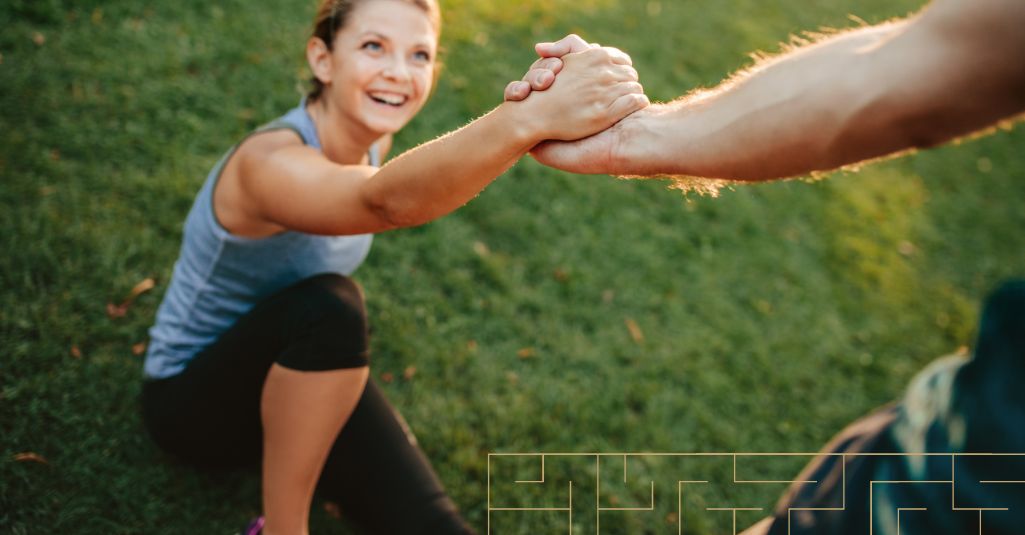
[
  {"x": 899, "y": 509},
  {"x": 953, "y": 488},
  {"x": 650, "y": 508},
  {"x": 734, "y": 511},
  {"x": 542, "y": 480},
  {"x": 844, "y": 457},
  {"x": 568, "y": 509},
  {"x": 871, "y": 497},
  {"x": 489, "y": 495},
  {"x": 746, "y": 454},
  {"x": 953, "y": 478},
  {"x": 679, "y": 504},
  {"x": 843, "y": 495},
  {"x": 735, "y": 480}
]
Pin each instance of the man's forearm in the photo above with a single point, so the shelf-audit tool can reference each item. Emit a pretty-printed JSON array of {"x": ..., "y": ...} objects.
[
  {"x": 851, "y": 97},
  {"x": 779, "y": 119}
]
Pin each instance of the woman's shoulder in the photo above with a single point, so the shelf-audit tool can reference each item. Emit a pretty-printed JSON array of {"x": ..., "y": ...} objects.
[
  {"x": 233, "y": 200},
  {"x": 263, "y": 143}
]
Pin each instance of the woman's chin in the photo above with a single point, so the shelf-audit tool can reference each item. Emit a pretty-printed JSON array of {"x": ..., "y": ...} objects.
[{"x": 385, "y": 123}]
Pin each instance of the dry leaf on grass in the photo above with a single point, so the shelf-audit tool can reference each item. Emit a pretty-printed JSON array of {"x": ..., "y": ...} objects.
[
  {"x": 526, "y": 353},
  {"x": 30, "y": 457},
  {"x": 144, "y": 286},
  {"x": 116, "y": 311},
  {"x": 119, "y": 311},
  {"x": 138, "y": 349},
  {"x": 635, "y": 331},
  {"x": 387, "y": 377},
  {"x": 76, "y": 352},
  {"x": 409, "y": 372}
]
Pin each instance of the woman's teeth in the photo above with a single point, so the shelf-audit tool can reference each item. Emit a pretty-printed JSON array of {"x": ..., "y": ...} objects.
[{"x": 388, "y": 98}]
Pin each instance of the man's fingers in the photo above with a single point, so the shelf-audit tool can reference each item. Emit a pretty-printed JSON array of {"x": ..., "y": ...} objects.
[
  {"x": 625, "y": 73},
  {"x": 620, "y": 62},
  {"x": 629, "y": 103},
  {"x": 517, "y": 90},
  {"x": 618, "y": 56},
  {"x": 624, "y": 88},
  {"x": 569, "y": 44}
]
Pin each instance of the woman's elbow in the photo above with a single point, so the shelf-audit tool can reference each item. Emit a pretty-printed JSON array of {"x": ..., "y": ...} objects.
[{"x": 394, "y": 211}]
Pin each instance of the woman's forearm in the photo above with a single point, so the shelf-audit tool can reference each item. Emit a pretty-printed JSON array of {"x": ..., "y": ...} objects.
[
  {"x": 460, "y": 163},
  {"x": 596, "y": 89}
]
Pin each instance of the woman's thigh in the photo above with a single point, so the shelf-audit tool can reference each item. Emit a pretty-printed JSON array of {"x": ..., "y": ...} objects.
[{"x": 210, "y": 413}]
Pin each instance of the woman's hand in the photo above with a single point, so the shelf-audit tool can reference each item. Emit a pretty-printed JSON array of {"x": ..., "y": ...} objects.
[
  {"x": 595, "y": 88},
  {"x": 540, "y": 77},
  {"x": 543, "y": 71}
]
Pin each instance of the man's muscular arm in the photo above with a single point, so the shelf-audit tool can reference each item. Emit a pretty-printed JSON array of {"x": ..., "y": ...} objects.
[{"x": 956, "y": 67}]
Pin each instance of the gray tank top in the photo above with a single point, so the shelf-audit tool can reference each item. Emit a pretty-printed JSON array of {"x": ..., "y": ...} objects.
[{"x": 220, "y": 276}]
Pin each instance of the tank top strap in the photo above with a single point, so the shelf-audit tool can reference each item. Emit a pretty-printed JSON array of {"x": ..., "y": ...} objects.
[{"x": 299, "y": 121}]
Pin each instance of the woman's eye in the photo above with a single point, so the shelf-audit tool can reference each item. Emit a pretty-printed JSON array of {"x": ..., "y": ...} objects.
[
  {"x": 422, "y": 56},
  {"x": 372, "y": 46}
]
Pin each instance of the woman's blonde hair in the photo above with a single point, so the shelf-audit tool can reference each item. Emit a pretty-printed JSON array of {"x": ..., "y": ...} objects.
[{"x": 332, "y": 16}]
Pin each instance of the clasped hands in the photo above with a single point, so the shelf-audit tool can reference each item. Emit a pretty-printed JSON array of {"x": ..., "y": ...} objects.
[{"x": 600, "y": 153}]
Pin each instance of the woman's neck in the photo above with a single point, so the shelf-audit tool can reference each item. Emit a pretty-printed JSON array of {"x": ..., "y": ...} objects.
[{"x": 341, "y": 141}]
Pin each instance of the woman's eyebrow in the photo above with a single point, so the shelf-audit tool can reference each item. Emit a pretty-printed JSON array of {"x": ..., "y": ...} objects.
[{"x": 372, "y": 33}]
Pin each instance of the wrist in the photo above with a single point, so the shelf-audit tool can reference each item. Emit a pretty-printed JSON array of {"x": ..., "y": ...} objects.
[
  {"x": 644, "y": 144},
  {"x": 517, "y": 118}
]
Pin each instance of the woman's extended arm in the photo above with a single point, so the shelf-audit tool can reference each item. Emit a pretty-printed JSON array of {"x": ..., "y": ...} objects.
[{"x": 285, "y": 185}]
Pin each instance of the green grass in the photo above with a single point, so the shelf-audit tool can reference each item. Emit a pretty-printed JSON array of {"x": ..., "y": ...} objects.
[{"x": 771, "y": 316}]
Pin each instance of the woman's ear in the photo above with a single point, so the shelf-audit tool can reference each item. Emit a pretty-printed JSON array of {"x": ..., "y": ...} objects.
[{"x": 319, "y": 58}]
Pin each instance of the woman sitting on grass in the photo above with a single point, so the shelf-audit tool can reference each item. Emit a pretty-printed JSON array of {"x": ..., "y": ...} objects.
[{"x": 260, "y": 344}]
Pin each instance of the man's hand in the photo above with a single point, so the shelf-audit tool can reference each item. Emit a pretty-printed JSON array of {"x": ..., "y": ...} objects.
[
  {"x": 614, "y": 151},
  {"x": 543, "y": 71}
]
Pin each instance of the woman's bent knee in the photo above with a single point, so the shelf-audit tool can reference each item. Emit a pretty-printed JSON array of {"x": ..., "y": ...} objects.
[{"x": 330, "y": 330}]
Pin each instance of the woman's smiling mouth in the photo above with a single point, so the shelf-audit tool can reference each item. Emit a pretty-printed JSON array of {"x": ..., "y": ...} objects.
[{"x": 388, "y": 98}]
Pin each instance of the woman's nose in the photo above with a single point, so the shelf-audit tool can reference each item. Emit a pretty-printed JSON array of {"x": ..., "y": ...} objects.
[{"x": 396, "y": 69}]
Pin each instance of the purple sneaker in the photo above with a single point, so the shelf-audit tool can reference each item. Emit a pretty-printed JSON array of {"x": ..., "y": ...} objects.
[{"x": 255, "y": 527}]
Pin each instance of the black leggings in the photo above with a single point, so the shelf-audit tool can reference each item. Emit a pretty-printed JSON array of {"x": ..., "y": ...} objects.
[{"x": 209, "y": 414}]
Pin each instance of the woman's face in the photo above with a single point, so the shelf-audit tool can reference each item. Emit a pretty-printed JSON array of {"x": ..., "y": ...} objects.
[{"x": 382, "y": 65}]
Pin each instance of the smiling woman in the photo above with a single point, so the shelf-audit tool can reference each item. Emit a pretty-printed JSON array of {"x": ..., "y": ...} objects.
[
  {"x": 389, "y": 58},
  {"x": 260, "y": 350}
]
